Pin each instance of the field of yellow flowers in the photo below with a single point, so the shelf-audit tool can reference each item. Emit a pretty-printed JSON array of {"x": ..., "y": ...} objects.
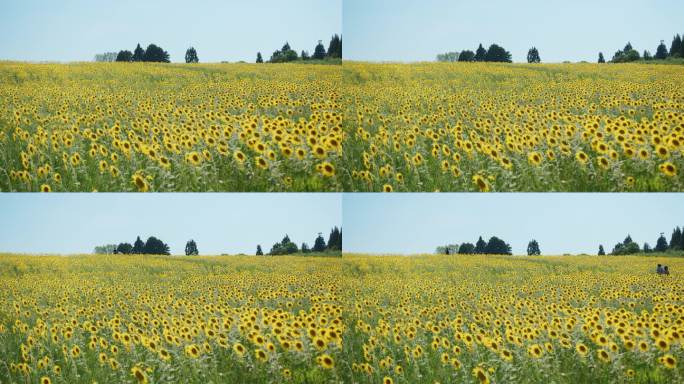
[
  {"x": 363, "y": 319},
  {"x": 151, "y": 127},
  {"x": 502, "y": 127}
]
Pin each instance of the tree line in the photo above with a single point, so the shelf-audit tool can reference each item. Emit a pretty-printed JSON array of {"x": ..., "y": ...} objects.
[
  {"x": 153, "y": 246},
  {"x": 495, "y": 53},
  {"x": 495, "y": 246},
  {"x": 630, "y": 247},
  {"x": 287, "y": 54},
  {"x": 288, "y": 247},
  {"x": 629, "y": 54}
]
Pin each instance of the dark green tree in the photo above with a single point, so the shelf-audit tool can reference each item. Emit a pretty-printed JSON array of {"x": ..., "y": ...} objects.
[
  {"x": 661, "y": 51},
  {"x": 466, "y": 56},
  {"x": 496, "y": 246},
  {"x": 138, "y": 53},
  {"x": 124, "y": 56},
  {"x": 319, "y": 244},
  {"x": 676, "y": 239},
  {"x": 319, "y": 51},
  {"x": 661, "y": 244},
  {"x": 628, "y": 47},
  {"x": 480, "y": 246},
  {"x": 498, "y": 54},
  {"x": 138, "y": 246},
  {"x": 304, "y": 55},
  {"x": 480, "y": 53},
  {"x": 601, "y": 60},
  {"x": 533, "y": 248},
  {"x": 335, "y": 240},
  {"x": 533, "y": 56},
  {"x": 156, "y": 54},
  {"x": 676, "y": 46},
  {"x": 601, "y": 252},
  {"x": 124, "y": 248},
  {"x": 335, "y": 47},
  {"x": 647, "y": 248},
  {"x": 154, "y": 246},
  {"x": 305, "y": 248},
  {"x": 647, "y": 55},
  {"x": 191, "y": 248},
  {"x": 191, "y": 56},
  {"x": 466, "y": 249},
  {"x": 259, "y": 252},
  {"x": 259, "y": 59}
]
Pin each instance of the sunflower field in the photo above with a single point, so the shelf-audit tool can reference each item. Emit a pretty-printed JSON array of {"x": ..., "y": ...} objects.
[
  {"x": 511, "y": 127},
  {"x": 147, "y": 319},
  {"x": 152, "y": 127},
  {"x": 362, "y": 319}
]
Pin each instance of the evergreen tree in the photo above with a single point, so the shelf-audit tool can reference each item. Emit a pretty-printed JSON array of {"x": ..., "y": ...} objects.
[
  {"x": 628, "y": 239},
  {"x": 466, "y": 249},
  {"x": 335, "y": 47},
  {"x": 304, "y": 55},
  {"x": 480, "y": 53},
  {"x": 601, "y": 60},
  {"x": 676, "y": 239},
  {"x": 259, "y": 59},
  {"x": 647, "y": 55},
  {"x": 138, "y": 246},
  {"x": 124, "y": 248},
  {"x": 601, "y": 252},
  {"x": 498, "y": 54},
  {"x": 124, "y": 56},
  {"x": 533, "y": 248},
  {"x": 533, "y": 56},
  {"x": 319, "y": 244},
  {"x": 319, "y": 51},
  {"x": 480, "y": 246},
  {"x": 305, "y": 248},
  {"x": 676, "y": 46},
  {"x": 647, "y": 248},
  {"x": 259, "y": 252},
  {"x": 156, "y": 54},
  {"x": 628, "y": 47},
  {"x": 335, "y": 240},
  {"x": 191, "y": 56},
  {"x": 661, "y": 51},
  {"x": 154, "y": 246},
  {"x": 466, "y": 56},
  {"x": 139, "y": 53},
  {"x": 191, "y": 248},
  {"x": 661, "y": 244}
]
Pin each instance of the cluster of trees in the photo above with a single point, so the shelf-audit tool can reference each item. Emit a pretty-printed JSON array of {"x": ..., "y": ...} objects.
[
  {"x": 287, "y": 54},
  {"x": 107, "y": 57},
  {"x": 630, "y": 247},
  {"x": 153, "y": 53},
  {"x": 495, "y": 246},
  {"x": 153, "y": 246},
  {"x": 288, "y": 247},
  {"x": 629, "y": 54},
  {"x": 495, "y": 53}
]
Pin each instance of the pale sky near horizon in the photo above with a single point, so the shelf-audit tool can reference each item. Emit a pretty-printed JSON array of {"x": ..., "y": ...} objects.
[
  {"x": 410, "y": 223},
  {"x": 230, "y": 30},
  {"x": 231, "y": 223},
  {"x": 410, "y": 30}
]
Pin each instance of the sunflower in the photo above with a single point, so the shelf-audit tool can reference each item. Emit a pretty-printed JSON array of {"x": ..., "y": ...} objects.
[
  {"x": 327, "y": 169},
  {"x": 139, "y": 375},
  {"x": 239, "y": 157},
  {"x": 140, "y": 182},
  {"x": 603, "y": 162},
  {"x": 481, "y": 183},
  {"x": 481, "y": 375},
  {"x": 45, "y": 188},
  {"x": 582, "y": 349},
  {"x": 387, "y": 380},
  {"x": 603, "y": 355},
  {"x": 326, "y": 361},
  {"x": 261, "y": 162},
  {"x": 668, "y": 169},
  {"x": 239, "y": 349},
  {"x": 535, "y": 351},
  {"x": 534, "y": 158},
  {"x": 581, "y": 157},
  {"x": 45, "y": 380},
  {"x": 192, "y": 351},
  {"x": 669, "y": 361},
  {"x": 387, "y": 188}
]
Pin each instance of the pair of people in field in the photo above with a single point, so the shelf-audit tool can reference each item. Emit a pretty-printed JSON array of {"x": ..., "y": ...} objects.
[{"x": 662, "y": 270}]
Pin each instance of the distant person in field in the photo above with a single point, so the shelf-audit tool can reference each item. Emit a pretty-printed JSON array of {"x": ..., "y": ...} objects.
[
  {"x": 659, "y": 269},
  {"x": 666, "y": 270}
]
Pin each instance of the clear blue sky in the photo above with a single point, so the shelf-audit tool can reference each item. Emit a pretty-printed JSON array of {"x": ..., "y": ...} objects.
[
  {"x": 409, "y": 223},
  {"x": 231, "y": 30},
  {"x": 219, "y": 223},
  {"x": 412, "y": 30}
]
